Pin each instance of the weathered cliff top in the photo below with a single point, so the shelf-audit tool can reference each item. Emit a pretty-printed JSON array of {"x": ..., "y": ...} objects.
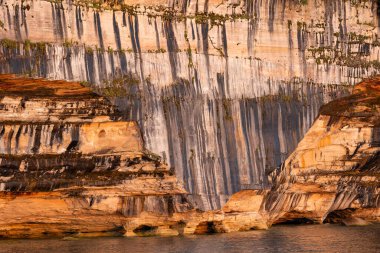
[
  {"x": 54, "y": 132},
  {"x": 364, "y": 103},
  {"x": 29, "y": 100},
  {"x": 12, "y": 85}
]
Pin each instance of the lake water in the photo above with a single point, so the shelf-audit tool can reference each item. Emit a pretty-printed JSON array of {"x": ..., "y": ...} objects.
[{"x": 307, "y": 238}]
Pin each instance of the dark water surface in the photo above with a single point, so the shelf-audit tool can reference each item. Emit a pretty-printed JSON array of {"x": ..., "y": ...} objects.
[{"x": 311, "y": 238}]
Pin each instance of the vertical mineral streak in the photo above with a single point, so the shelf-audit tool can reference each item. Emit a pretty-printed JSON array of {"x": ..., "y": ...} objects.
[{"x": 223, "y": 91}]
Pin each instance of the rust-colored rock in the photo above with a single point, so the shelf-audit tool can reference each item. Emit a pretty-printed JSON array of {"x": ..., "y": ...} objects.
[
  {"x": 333, "y": 175},
  {"x": 68, "y": 166},
  {"x": 336, "y": 167},
  {"x": 76, "y": 169}
]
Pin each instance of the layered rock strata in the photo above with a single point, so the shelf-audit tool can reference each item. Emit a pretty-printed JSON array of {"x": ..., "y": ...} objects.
[
  {"x": 333, "y": 175},
  {"x": 70, "y": 167},
  {"x": 211, "y": 83}
]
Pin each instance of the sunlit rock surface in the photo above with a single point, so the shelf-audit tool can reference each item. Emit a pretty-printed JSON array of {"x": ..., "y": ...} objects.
[
  {"x": 333, "y": 175},
  {"x": 335, "y": 169},
  {"x": 223, "y": 90},
  {"x": 87, "y": 173},
  {"x": 76, "y": 170}
]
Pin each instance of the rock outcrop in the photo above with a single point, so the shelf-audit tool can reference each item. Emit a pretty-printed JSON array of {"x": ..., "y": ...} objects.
[
  {"x": 221, "y": 89},
  {"x": 333, "y": 175},
  {"x": 70, "y": 167}
]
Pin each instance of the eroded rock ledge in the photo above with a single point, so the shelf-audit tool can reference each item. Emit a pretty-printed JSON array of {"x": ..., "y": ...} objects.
[
  {"x": 70, "y": 167},
  {"x": 333, "y": 175}
]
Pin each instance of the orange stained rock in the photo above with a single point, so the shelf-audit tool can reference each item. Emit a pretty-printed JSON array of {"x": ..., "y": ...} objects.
[
  {"x": 12, "y": 85},
  {"x": 365, "y": 99}
]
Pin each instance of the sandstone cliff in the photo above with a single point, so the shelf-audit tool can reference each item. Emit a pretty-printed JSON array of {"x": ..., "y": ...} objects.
[
  {"x": 222, "y": 90},
  {"x": 334, "y": 173},
  {"x": 70, "y": 167}
]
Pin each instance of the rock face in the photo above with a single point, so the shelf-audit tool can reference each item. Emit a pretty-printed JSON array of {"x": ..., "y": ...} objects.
[
  {"x": 222, "y": 90},
  {"x": 70, "y": 167},
  {"x": 334, "y": 174},
  {"x": 336, "y": 167}
]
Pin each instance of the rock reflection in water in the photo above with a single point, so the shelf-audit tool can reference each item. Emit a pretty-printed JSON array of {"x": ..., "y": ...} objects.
[{"x": 307, "y": 238}]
